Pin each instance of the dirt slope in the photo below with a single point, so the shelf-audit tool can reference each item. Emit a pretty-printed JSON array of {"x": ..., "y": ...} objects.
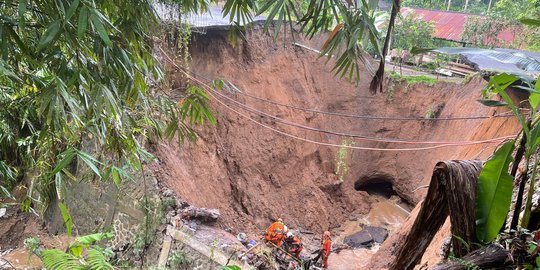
[{"x": 254, "y": 175}]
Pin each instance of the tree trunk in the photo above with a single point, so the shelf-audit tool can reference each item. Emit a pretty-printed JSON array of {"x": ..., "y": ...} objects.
[
  {"x": 524, "y": 176},
  {"x": 492, "y": 256},
  {"x": 377, "y": 81},
  {"x": 449, "y": 4},
  {"x": 452, "y": 191},
  {"x": 489, "y": 6},
  {"x": 466, "y": 5}
]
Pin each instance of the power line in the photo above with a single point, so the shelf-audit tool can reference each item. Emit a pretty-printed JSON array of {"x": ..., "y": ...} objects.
[
  {"x": 367, "y": 117},
  {"x": 494, "y": 140},
  {"x": 371, "y": 117},
  {"x": 363, "y": 137}
]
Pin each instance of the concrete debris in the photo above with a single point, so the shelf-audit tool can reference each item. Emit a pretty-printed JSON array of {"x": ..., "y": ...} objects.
[
  {"x": 359, "y": 239},
  {"x": 366, "y": 237},
  {"x": 202, "y": 214},
  {"x": 378, "y": 234}
]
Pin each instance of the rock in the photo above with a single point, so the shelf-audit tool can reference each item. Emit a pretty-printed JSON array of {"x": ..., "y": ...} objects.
[
  {"x": 2, "y": 212},
  {"x": 180, "y": 203},
  {"x": 169, "y": 216},
  {"x": 359, "y": 239},
  {"x": 167, "y": 192},
  {"x": 193, "y": 225},
  {"x": 378, "y": 234}
]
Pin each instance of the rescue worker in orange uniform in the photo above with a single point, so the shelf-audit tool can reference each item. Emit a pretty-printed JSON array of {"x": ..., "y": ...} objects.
[
  {"x": 293, "y": 245},
  {"x": 275, "y": 233},
  {"x": 326, "y": 247}
]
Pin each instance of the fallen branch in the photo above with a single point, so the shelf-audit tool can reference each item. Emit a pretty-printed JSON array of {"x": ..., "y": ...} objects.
[{"x": 492, "y": 256}]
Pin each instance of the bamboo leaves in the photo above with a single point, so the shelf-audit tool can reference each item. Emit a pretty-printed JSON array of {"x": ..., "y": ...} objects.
[
  {"x": 67, "y": 218},
  {"x": 51, "y": 34},
  {"x": 98, "y": 25},
  {"x": 239, "y": 11},
  {"x": 83, "y": 22},
  {"x": 81, "y": 73},
  {"x": 494, "y": 194}
]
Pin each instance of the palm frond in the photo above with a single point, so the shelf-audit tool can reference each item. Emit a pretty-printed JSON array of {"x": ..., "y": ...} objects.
[{"x": 54, "y": 259}]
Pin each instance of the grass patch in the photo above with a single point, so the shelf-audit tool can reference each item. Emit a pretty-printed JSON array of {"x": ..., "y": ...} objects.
[{"x": 412, "y": 80}]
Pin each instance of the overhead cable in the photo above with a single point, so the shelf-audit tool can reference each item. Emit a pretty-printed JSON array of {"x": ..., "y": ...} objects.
[
  {"x": 494, "y": 140},
  {"x": 361, "y": 137},
  {"x": 211, "y": 90}
]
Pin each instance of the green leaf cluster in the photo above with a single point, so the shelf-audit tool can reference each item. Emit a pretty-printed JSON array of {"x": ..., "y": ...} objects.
[
  {"x": 82, "y": 254},
  {"x": 495, "y": 184},
  {"x": 80, "y": 90}
]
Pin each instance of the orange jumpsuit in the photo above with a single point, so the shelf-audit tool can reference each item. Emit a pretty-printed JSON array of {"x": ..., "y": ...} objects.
[
  {"x": 274, "y": 233},
  {"x": 295, "y": 246},
  {"x": 327, "y": 245}
]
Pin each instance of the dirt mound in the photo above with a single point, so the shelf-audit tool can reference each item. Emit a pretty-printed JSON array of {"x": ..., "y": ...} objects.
[{"x": 254, "y": 174}]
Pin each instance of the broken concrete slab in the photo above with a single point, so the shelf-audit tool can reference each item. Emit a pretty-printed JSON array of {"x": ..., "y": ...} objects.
[{"x": 360, "y": 239}]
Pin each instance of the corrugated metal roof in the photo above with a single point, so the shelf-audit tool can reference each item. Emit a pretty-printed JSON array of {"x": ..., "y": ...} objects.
[{"x": 448, "y": 24}]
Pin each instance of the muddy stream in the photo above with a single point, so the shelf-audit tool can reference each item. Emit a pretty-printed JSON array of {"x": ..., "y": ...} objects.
[{"x": 387, "y": 213}]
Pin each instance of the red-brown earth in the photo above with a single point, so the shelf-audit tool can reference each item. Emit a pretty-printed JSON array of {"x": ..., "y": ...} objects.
[{"x": 254, "y": 174}]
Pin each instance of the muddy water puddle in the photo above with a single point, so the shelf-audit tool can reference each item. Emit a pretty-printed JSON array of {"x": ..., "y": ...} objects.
[
  {"x": 385, "y": 213},
  {"x": 19, "y": 259}
]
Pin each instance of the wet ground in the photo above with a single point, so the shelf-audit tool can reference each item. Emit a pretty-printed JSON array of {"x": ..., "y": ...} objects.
[{"x": 384, "y": 213}]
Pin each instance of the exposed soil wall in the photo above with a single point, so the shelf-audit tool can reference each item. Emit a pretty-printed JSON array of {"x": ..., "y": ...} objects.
[{"x": 254, "y": 175}]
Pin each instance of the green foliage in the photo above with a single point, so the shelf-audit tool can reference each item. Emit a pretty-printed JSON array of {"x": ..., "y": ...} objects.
[
  {"x": 177, "y": 259},
  {"x": 430, "y": 114},
  {"x": 76, "y": 71},
  {"x": 342, "y": 159},
  {"x": 494, "y": 194},
  {"x": 468, "y": 265},
  {"x": 413, "y": 79},
  {"x": 484, "y": 31},
  {"x": 32, "y": 246},
  {"x": 230, "y": 267},
  {"x": 515, "y": 9},
  {"x": 354, "y": 28},
  {"x": 154, "y": 214},
  {"x": 68, "y": 222},
  {"x": 82, "y": 254},
  {"x": 411, "y": 32},
  {"x": 167, "y": 202}
]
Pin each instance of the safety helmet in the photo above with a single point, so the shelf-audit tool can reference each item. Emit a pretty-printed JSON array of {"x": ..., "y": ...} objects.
[
  {"x": 285, "y": 229},
  {"x": 280, "y": 219},
  {"x": 326, "y": 233},
  {"x": 289, "y": 234}
]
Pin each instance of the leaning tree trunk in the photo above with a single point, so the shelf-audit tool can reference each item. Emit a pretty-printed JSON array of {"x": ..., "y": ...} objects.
[
  {"x": 452, "y": 191},
  {"x": 377, "y": 81}
]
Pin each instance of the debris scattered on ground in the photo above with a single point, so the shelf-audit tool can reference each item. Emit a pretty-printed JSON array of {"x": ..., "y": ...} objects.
[{"x": 202, "y": 214}]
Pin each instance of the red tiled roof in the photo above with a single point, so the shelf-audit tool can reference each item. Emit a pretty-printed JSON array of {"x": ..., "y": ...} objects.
[{"x": 448, "y": 24}]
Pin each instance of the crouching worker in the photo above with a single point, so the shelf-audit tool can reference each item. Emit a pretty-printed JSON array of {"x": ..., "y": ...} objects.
[
  {"x": 275, "y": 233},
  {"x": 293, "y": 245}
]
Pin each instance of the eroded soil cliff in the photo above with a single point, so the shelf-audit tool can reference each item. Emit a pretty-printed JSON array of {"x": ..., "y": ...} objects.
[{"x": 254, "y": 174}]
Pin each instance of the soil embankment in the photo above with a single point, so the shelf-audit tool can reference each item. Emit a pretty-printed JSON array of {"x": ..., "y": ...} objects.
[{"x": 254, "y": 174}]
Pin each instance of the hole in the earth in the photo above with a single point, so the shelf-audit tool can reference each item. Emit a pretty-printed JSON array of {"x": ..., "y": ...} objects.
[{"x": 377, "y": 184}]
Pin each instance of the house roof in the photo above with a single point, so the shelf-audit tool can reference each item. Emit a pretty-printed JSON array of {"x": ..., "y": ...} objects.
[{"x": 448, "y": 24}]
